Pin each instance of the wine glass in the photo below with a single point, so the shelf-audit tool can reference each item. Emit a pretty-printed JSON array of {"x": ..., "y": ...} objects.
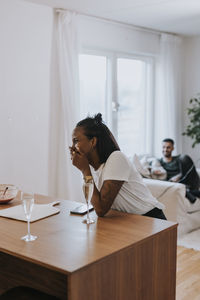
[
  {"x": 28, "y": 203},
  {"x": 88, "y": 188}
]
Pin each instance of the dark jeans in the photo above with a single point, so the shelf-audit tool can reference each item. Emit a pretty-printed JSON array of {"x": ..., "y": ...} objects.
[
  {"x": 190, "y": 176},
  {"x": 192, "y": 195},
  {"x": 156, "y": 213}
]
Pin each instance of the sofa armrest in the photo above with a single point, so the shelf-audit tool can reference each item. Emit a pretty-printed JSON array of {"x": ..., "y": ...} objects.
[
  {"x": 177, "y": 207},
  {"x": 171, "y": 194}
]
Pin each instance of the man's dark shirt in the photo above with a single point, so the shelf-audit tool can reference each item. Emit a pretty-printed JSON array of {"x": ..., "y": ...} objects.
[
  {"x": 173, "y": 167},
  {"x": 184, "y": 165}
]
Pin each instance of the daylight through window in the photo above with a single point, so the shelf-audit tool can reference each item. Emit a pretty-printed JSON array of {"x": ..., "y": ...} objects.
[{"x": 120, "y": 88}]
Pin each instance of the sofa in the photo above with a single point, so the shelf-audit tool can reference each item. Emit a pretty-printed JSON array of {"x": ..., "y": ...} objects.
[
  {"x": 177, "y": 206},
  {"x": 172, "y": 195}
]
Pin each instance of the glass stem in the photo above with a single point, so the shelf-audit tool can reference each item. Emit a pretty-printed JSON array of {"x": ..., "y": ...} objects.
[
  {"x": 88, "y": 216},
  {"x": 28, "y": 222}
]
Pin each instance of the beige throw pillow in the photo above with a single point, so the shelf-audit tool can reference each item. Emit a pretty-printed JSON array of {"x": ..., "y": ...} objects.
[
  {"x": 142, "y": 167},
  {"x": 157, "y": 171}
]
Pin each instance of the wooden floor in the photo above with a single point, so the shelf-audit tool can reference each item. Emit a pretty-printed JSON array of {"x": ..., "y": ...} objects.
[{"x": 188, "y": 274}]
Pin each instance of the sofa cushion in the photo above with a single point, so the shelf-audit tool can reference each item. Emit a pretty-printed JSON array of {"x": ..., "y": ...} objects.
[{"x": 159, "y": 188}]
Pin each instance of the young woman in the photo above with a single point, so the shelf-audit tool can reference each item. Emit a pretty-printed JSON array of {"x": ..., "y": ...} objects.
[{"x": 117, "y": 184}]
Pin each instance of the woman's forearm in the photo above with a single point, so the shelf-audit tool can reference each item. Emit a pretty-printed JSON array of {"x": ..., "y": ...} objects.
[
  {"x": 102, "y": 200},
  {"x": 100, "y": 205}
]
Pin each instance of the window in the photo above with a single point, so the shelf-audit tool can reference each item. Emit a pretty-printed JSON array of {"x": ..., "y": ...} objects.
[{"x": 120, "y": 87}]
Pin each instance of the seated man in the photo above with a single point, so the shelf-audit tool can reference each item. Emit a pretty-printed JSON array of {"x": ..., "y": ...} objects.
[{"x": 178, "y": 168}]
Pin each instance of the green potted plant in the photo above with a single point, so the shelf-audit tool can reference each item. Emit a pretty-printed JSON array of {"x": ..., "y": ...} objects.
[{"x": 193, "y": 128}]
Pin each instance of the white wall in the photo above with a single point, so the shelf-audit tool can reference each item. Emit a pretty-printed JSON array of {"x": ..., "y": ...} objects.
[
  {"x": 25, "y": 97},
  {"x": 100, "y": 34},
  {"x": 191, "y": 86},
  {"x": 25, "y": 39}
]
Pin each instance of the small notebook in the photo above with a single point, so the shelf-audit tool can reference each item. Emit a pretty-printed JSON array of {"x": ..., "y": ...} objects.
[{"x": 40, "y": 211}]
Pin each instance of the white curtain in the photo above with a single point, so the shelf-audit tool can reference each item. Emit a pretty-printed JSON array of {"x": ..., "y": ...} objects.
[
  {"x": 167, "y": 121},
  {"x": 64, "y": 179}
]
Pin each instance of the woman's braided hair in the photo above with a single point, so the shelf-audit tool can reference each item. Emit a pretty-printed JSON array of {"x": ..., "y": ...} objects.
[{"x": 94, "y": 127}]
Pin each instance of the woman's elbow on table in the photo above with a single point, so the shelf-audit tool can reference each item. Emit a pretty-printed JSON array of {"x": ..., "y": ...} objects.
[{"x": 100, "y": 211}]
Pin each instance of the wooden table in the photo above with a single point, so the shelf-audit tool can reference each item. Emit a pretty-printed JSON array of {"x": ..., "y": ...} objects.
[{"x": 120, "y": 257}]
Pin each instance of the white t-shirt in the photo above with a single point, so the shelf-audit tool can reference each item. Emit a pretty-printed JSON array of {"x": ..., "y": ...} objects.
[{"x": 134, "y": 196}]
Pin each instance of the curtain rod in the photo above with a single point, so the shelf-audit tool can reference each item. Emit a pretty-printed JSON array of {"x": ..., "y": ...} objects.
[{"x": 138, "y": 28}]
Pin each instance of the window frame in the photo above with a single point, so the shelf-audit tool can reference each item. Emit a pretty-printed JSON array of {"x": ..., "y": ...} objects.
[{"x": 111, "y": 98}]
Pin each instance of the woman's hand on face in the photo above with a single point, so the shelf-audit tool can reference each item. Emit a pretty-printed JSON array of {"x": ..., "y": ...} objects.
[
  {"x": 73, "y": 151},
  {"x": 79, "y": 159}
]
